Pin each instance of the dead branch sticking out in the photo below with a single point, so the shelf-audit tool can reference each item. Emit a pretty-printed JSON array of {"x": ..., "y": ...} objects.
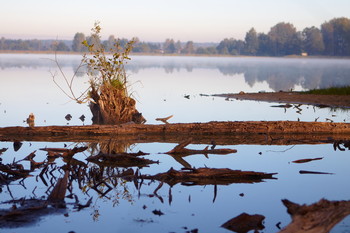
[
  {"x": 213, "y": 176},
  {"x": 180, "y": 149},
  {"x": 319, "y": 217},
  {"x": 165, "y": 119},
  {"x": 2, "y": 150},
  {"x": 337, "y": 145}
]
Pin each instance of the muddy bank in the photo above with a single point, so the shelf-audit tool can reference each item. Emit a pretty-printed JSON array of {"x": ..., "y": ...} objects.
[
  {"x": 237, "y": 132},
  {"x": 340, "y": 101}
]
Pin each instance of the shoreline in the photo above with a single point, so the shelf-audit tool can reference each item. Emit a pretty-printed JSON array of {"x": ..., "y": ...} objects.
[
  {"x": 331, "y": 101},
  {"x": 175, "y": 55}
]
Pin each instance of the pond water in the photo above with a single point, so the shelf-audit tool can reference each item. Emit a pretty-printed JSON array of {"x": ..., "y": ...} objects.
[{"x": 160, "y": 84}]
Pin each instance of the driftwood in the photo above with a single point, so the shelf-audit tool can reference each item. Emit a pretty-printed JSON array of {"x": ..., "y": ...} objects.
[
  {"x": 165, "y": 119},
  {"x": 314, "y": 172},
  {"x": 120, "y": 160},
  {"x": 306, "y": 160},
  {"x": 341, "y": 145},
  {"x": 29, "y": 211},
  {"x": 185, "y": 129},
  {"x": 11, "y": 172},
  {"x": 17, "y": 145},
  {"x": 181, "y": 150},
  {"x": 179, "y": 158},
  {"x": 107, "y": 134},
  {"x": 2, "y": 150},
  {"x": 319, "y": 217},
  {"x": 63, "y": 151},
  {"x": 58, "y": 193},
  {"x": 205, "y": 176},
  {"x": 23, "y": 212},
  {"x": 244, "y": 223}
]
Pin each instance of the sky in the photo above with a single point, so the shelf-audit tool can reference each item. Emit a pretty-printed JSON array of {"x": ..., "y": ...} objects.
[{"x": 157, "y": 20}]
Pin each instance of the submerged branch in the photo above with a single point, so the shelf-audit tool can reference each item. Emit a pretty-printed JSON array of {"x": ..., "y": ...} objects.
[{"x": 206, "y": 176}]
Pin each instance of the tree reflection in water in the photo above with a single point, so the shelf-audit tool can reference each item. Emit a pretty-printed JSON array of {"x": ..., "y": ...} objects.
[{"x": 72, "y": 185}]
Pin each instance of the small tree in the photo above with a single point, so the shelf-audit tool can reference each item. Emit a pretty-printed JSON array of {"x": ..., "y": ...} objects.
[{"x": 108, "y": 97}]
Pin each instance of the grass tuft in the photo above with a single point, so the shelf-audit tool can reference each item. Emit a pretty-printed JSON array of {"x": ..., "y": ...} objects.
[{"x": 330, "y": 91}]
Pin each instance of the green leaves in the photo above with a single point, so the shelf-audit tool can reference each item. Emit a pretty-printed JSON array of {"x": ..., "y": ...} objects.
[{"x": 106, "y": 67}]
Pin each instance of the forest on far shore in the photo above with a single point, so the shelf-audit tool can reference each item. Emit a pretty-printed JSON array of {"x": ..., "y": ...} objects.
[{"x": 331, "y": 39}]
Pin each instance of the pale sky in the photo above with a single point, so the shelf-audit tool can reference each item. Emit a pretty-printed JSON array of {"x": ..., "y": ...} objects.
[{"x": 156, "y": 20}]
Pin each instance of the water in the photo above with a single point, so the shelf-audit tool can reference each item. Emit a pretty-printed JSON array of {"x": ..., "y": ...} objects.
[
  {"x": 27, "y": 86},
  {"x": 160, "y": 84}
]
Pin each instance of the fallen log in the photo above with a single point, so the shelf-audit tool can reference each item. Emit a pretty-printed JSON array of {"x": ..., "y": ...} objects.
[
  {"x": 319, "y": 217},
  {"x": 82, "y": 135},
  {"x": 188, "y": 129},
  {"x": 206, "y": 176}
]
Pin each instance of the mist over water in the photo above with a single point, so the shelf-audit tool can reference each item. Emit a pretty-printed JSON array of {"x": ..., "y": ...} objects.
[{"x": 160, "y": 83}]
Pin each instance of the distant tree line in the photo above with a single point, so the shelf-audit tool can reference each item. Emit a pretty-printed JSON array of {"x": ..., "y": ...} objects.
[{"x": 331, "y": 39}]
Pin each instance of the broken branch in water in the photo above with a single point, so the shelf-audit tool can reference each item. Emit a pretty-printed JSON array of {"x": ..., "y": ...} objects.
[
  {"x": 64, "y": 152},
  {"x": 165, "y": 119},
  {"x": 180, "y": 149},
  {"x": 306, "y": 160},
  {"x": 205, "y": 176},
  {"x": 313, "y": 172}
]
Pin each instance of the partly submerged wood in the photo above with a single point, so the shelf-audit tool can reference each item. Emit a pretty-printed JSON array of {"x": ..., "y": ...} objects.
[
  {"x": 332, "y": 101},
  {"x": 209, "y": 176},
  {"x": 265, "y": 130},
  {"x": 319, "y": 217}
]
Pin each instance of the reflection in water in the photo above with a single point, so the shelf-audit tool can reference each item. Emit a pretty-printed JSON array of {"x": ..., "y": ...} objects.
[
  {"x": 280, "y": 73},
  {"x": 160, "y": 94},
  {"x": 63, "y": 184}
]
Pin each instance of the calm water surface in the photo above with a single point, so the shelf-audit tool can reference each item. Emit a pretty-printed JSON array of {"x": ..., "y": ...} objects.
[{"x": 160, "y": 85}]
